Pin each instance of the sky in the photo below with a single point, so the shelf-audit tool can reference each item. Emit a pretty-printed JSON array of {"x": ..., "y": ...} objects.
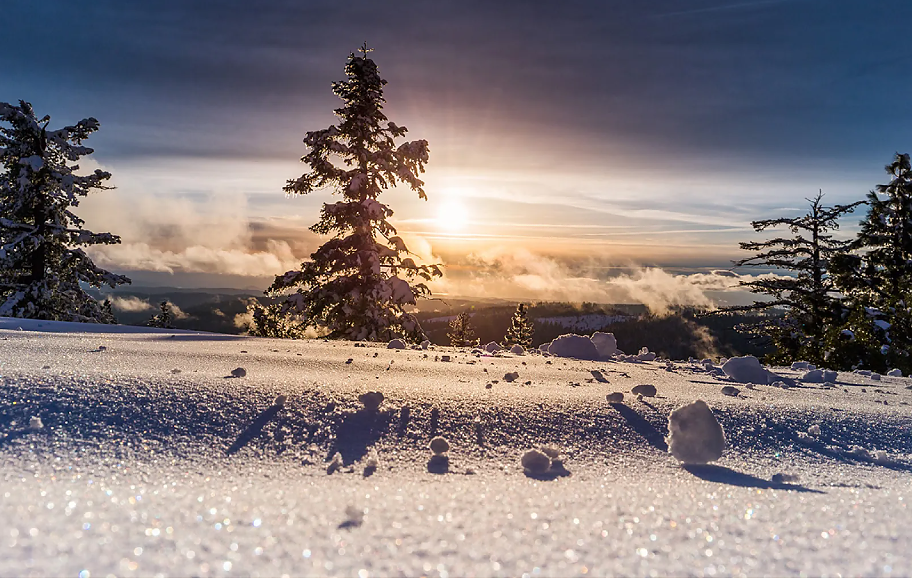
[{"x": 569, "y": 141}]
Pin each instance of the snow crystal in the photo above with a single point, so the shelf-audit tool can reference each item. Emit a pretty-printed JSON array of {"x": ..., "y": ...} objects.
[
  {"x": 371, "y": 400},
  {"x": 517, "y": 349},
  {"x": 615, "y": 397},
  {"x": 694, "y": 434},
  {"x": 895, "y": 372},
  {"x": 746, "y": 369},
  {"x": 605, "y": 343},
  {"x": 334, "y": 464},
  {"x": 396, "y": 344},
  {"x": 239, "y": 372},
  {"x": 645, "y": 390},
  {"x": 535, "y": 461},
  {"x": 35, "y": 423},
  {"x": 439, "y": 445},
  {"x": 574, "y": 346}
]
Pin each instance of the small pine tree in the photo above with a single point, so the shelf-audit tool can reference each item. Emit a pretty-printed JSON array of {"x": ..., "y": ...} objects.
[
  {"x": 461, "y": 333},
  {"x": 809, "y": 298},
  {"x": 520, "y": 330},
  {"x": 42, "y": 263},
  {"x": 877, "y": 278},
  {"x": 355, "y": 285},
  {"x": 269, "y": 322},
  {"x": 107, "y": 312},
  {"x": 165, "y": 317}
]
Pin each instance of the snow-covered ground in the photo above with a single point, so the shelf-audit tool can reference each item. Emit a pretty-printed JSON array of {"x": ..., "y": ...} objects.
[{"x": 152, "y": 458}]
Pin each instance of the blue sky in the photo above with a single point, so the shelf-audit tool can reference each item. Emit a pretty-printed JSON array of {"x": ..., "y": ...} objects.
[{"x": 593, "y": 133}]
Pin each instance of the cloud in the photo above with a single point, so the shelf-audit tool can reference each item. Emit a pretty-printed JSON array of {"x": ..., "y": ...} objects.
[
  {"x": 131, "y": 304},
  {"x": 521, "y": 274}
]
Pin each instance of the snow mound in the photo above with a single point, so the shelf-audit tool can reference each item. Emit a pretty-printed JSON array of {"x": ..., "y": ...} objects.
[
  {"x": 746, "y": 369},
  {"x": 511, "y": 376},
  {"x": 35, "y": 423},
  {"x": 492, "y": 347},
  {"x": 518, "y": 350},
  {"x": 615, "y": 397},
  {"x": 396, "y": 344},
  {"x": 574, "y": 346},
  {"x": 819, "y": 375},
  {"x": 644, "y": 390},
  {"x": 371, "y": 400},
  {"x": 605, "y": 343},
  {"x": 535, "y": 461},
  {"x": 694, "y": 434},
  {"x": 645, "y": 355},
  {"x": 895, "y": 372}
]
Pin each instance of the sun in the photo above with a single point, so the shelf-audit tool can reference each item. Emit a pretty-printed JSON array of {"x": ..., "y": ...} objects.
[{"x": 452, "y": 216}]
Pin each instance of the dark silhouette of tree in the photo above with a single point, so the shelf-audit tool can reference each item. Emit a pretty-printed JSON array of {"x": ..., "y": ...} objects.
[
  {"x": 520, "y": 330},
  {"x": 877, "y": 277},
  {"x": 356, "y": 285},
  {"x": 809, "y": 297},
  {"x": 461, "y": 333},
  {"x": 165, "y": 317},
  {"x": 42, "y": 263}
]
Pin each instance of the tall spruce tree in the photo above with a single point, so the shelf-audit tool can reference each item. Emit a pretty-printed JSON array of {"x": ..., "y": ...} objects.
[
  {"x": 42, "y": 263},
  {"x": 809, "y": 297},
  {"x": 356, "y": 285},
  {"x": 877, "y": 277},
  {"x": 461, "y": 333},
  {"x": 520, "y": 330}
]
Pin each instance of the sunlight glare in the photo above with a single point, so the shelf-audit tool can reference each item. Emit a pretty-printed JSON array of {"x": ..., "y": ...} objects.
[{"x": 452, "y": 216}]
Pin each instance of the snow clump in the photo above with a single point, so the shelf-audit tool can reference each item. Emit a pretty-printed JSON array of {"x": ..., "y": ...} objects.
[
  {"x": 615, "y": 397},
  {"x": 644, "y": 390},
  {"x": 746, "y": 369},
  {"x": 694, "y": 434},
  {"x": 814, "y": 430},
  {"x": 335, "y": 464},
  {"x": 518, "y": 350},
  {"x": 605, "y": 343},
  {"x": 371, "y": 400},
  {"x": 895, "y": 372},
  {"x": 535, "y": 461},
  {"x": 730, "y": 391},
  {"x": 239, "y": 372},
  {"x": 35, "y": 423},
  {"x": 439, "y": 445},
  {"x": 396, "y": 344},
  {"x": 425, "y": 344},
  {"x": 574, "y": 346},
  {"x": 492, "y": 347},
  {"x": 511, "y": 376},
  {"x": 645, "y": 355}
]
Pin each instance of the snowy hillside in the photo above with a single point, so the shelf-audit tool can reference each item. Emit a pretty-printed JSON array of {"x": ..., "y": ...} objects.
[
  {"x": 585, "y": 323},
  {"x": 135, "y": 452}
]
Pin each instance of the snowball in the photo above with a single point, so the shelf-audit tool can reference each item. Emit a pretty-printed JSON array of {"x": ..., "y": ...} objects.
[
  {"x": 605, "y": 343},
  {"x": 814, "y": 430},
  {"x": 552, "y": 452},
  {"x": 239, "y": 372},
  {"x": 574, "y": 346},
  {"x": 439, "y": 445},
  {"x": 615, "y": 397},
  {"x": 371, "y": 400},
  {"x": 517, "y": 349},
  {"x": 896, "y": 372},
  {"x": 730, "y": 391},
  {"x": 280, "y": 400},
  {"x": 694, "y": 434},
  {"x": 445, "y": 358},
  {"x": 510, "y": 376},
  {"x": 645, "y": 390},
  {"x": 492, "y": 347},
  {"x": 746, "y": 369},
  {"x": 35, "y": 423},
  {"x": 535, "y": 461},
  {"x": 396, "y": 344}
]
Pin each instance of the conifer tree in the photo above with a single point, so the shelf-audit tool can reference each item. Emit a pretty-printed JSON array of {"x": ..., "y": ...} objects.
[
  {"x": 461, "y": 333},
  {"x": 809, "y": 297},
  {"x": 356, "y": 285},
  {"x": 520, "y": 330},
  {"x": 165, "y": 317},
  {"x": 41, "y": 259},
  {"x": 877, "y": 276}
]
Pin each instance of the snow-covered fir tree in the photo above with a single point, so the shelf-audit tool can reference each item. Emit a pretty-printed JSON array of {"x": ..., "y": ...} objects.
[
  {"x": 42, "y": 263},
  {"x": 164, "y": 318},
  {"x": 357, "y": 286},
  {"x": 461, "y": 333},
  {"x": 809, "y": 297},
  {"x": 520, "y": 330},
  {"x": 877, "y": 277}
]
